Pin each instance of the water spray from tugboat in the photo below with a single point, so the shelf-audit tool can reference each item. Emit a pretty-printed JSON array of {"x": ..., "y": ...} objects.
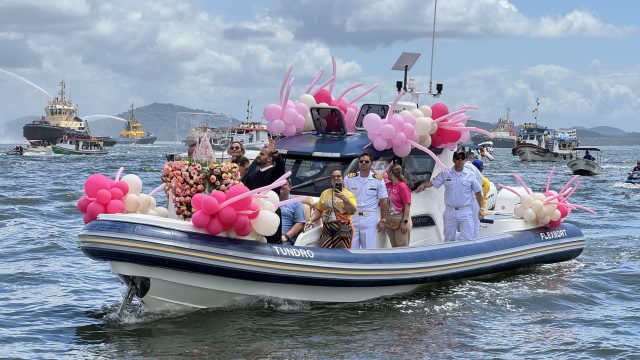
[
  {"x": 103, "y": 116},
  {"x": 25, "y": 81}
]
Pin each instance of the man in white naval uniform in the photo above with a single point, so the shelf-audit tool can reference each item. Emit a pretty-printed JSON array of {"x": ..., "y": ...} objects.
[
  {"x": 370, "y": 193},
  {"x": 460, "y": 189},
  {"x": 476, "y": 208}
]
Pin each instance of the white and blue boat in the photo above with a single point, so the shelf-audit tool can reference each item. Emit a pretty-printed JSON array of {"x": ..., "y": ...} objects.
[{"x": 168, "y": 262}]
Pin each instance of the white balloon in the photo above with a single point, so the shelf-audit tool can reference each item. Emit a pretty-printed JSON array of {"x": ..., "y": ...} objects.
[
  {"x": 434, "y": 127},
  {"x": 273, "y": 197},
  {"x": 145, "y": 203},
  {"x": 538, "y": 196},
  {"x": 308, "y": 123},
  {"x": 519, "y": 210},
  {"x": 426, "y": 110},
  {"x": 266, "y": 223},
  {"x": 422, "y": 126},
  {"x": 529, "y": 215},
  {"x": 536, "y": 205},
  {"x": 134, "y": 182},
  {"x": 555, "y": 215},
  {"x": 526, "y": 200},
  {"x": 131, "y": 203},
  {"x": 417, "y": 113},
  {"x": 266, "y": 205},
  {"x": 307, "y": 99},
  {"x": 549, "y": 208},
  {"x": 544, "y": 220},
  {"x": 162, "y": 211}
]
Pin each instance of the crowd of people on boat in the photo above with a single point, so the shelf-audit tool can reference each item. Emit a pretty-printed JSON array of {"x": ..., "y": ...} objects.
[{"x": 361, "y": 204}]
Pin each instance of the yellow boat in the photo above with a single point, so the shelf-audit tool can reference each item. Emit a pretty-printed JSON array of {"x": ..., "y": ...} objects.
[{"x": 132, "y": 132}]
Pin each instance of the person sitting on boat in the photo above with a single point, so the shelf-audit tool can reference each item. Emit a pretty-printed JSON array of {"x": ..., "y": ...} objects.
[
  {"x": 486, "y": 184},
  {"x": 292, "y": 216},
  {"x": 370, "y": 193},
  {"x": 270, "y": 167},
  {"x": 243, "y": 164},
  {"x": 460, "y": 189},
  {"x": 637, "y": 168},
  {"x": 236, "y": 149},
  {"x": 336, "y": 206},
  {"x": 398, "y": 218},
  {"x": 588, "y": 156}
]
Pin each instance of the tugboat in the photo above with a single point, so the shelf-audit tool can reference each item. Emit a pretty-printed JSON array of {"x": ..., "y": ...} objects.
[
  {"x": 133, "y": 133},
  {"x": 60, "y": 120}
]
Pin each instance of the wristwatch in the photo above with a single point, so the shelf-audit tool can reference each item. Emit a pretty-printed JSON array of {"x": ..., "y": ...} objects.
[{"x": 286, "y": 237}]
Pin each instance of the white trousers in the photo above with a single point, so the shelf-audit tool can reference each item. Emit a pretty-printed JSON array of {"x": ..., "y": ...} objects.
[
  {"x": 459, "y": 220},
  {"x": 365, "y": 232}
]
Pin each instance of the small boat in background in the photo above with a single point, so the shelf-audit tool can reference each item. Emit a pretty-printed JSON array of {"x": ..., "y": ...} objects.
[
  {"x": 133, "y": 133},
  {"x": 79, "y": 146},
  {"x": 589, "y": 164},
  {"x": 633, "y": 177}
]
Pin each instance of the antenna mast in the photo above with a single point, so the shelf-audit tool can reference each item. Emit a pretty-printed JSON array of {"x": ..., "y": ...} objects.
[{"x": 433, "y": 44}]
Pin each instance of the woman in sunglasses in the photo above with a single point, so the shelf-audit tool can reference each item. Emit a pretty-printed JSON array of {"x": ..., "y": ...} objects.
[
  {"x": 236, "y": 149},
  {"x": 461, "y": 189}
]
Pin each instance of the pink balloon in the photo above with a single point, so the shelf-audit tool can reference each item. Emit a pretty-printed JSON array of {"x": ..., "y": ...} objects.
[
  {"x": 387, "y": 131},
  {"x": 289, "y": 130},
  {"x": 116, "y": 193},
  {"x": 94, "y": 183},
  {"x": 237, "y": 190},
  {"x": 123, "y": 186},
  {"x": 438, "y": 110},
  {"x": 82, "y": 204},
  {"x": 278, "y": 126},
  {"x": 290, "y": 116},
  {"x": 408, "y": 129},
  {"x": 244, "y": 231},
  {"x": 227, "y": 215},
  {"x": 241, "y": 222},
  {"x": 215, "y": 226},
  {"x": 380, "y": 143},
  {"x": 200, "y": 219},
  {"x": 564, "y": 211},
  {"x": 209, "y": 205},
  {"x": 402, "y": 150},
  {"x": 299, "y": 122},
  {"x": 350, "y": 119},
  {"x": 271, "y": 112},
  {"x": 87, "y": 218},
  {"x": 302, "y": 108},
  {"x": 95, "y": 208},
  {"x": 219, "y": 195},
  {"x": 372, "y": 123},
  {"x": 196, "y": 201},
  {"x": 396, "y": 121},
  {"x": 323, "y": 96},
  {"x": 255, "y": 211},
  {"x": 115, "y": 207},
  {"x": 553, "y": 224},
  {"x": 103, "y": 196},
  {"x": 399, "y": 139},
  {"x": 409, "y": 118}
]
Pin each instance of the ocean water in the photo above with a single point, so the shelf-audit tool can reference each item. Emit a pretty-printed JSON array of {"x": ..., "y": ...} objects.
[{"x": 55, "y": 303}]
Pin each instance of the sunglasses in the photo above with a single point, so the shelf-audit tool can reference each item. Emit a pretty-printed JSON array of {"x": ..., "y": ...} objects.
[
  {"x": 236, "y": 148},
  {"x": 458, "y": 158},
  {"x": 364, "y": 161}
]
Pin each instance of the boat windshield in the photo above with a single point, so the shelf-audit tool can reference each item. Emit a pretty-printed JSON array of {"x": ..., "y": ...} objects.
[{"x": 312, "y": 176}]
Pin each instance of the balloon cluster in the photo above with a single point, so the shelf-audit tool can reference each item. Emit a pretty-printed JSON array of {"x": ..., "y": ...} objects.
[
  {"x": 288, "y": 117},
  {"x": 549, "y": 208},
  {"x": 106, "y": 196},
  {"x": 417, "y": 128},
  {"x": 240, "y": 211}
]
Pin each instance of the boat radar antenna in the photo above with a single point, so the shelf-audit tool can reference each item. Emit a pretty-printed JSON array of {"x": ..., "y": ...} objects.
[
  {"x": 535, "y": 111},
  {"x": 439, "y": 87}
]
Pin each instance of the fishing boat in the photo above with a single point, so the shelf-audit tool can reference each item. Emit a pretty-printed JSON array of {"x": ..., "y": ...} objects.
[
  {"x": 132, "y": 132},
  {"x": 78, "y": 146},
  {"x": 587, "y": 164},
  {"x": 169, "y": 263},
  {"x": 60, "y": 120},
  {"x": 537, "y": 143}
]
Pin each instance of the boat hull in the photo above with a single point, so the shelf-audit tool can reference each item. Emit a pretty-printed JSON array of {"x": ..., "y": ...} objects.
[
  {"x": 530, "y": 152},
  {"x": 141, "y": 141},
  {"x": 194, "y": 269},
  {"x": 60, "y": 150},
  {"x": 498, "y": 142},
  {"x": 584, "y": 167}
]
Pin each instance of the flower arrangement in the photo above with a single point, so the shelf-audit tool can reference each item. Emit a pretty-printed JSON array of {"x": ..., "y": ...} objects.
[{"x": 185, "y": 178}]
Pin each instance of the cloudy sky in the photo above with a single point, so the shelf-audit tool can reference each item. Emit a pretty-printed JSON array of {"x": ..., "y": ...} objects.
[{"x": 580, "y": 58}]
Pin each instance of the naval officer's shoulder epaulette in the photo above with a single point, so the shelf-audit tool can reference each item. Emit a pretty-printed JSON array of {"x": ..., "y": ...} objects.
[
  {"x": 352, "y": 175},
  {"x": 377, "y": 176}
]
